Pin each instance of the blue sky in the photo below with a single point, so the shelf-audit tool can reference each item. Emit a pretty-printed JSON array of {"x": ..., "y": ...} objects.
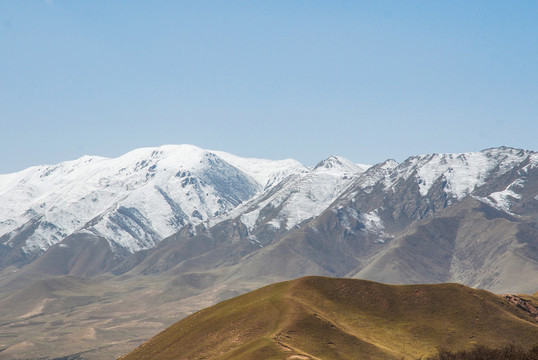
[{"x": 367, "y": 80}]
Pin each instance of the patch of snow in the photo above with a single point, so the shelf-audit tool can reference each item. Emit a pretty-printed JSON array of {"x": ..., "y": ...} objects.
[
  {"x": 501, "y": 199},
  {"x": 372, "y": 222},
  {"x": 346, "y": 216},
  {"x": 249, "y": 219},
  {"x": 533, "y": 160},
  {"x": 254, "y": 240},
  {"x": 43, "y": 238},
  {"x": 274, "y": 223},
  {"x": 312, "y": 194}
]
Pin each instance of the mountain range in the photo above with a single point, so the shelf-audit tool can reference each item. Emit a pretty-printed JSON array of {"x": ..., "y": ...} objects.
[{"x": 192, "y": 227}]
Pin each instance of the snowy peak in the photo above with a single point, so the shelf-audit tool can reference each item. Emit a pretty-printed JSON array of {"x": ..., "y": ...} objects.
[
  {"x": 340, "y": 164},
  {"x": 266, "y": 172},
  {"x": 299, "y": 197},
  {"x": 462, "y": 173},
  {"x": 375, "y": 173},
  {"x": 330, "y": 163},
  {"x": 398, "y": 194},
  {"x": 139, "y": 198},
  {"x": 134, "y": 200}
]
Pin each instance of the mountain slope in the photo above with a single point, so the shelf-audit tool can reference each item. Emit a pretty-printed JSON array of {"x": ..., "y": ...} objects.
[
  {"x": 369, "y": 229},
  {"x": 133, "y": 201},
  {"x": 469, "y": 242},
  {"x": 137, "y": 200},
  {"x": 467, "y": 218},
  {"x": 378, "y": 226},
  {"x": 325, "y": 318}
]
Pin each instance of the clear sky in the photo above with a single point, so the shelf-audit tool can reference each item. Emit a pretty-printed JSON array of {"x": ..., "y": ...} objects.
[{"x": 367, "y": 80}]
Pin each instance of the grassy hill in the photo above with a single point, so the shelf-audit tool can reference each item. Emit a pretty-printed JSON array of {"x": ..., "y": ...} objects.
[{"x": 328, "y": 318}]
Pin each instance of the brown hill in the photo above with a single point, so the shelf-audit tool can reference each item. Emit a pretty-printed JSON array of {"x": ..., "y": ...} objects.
[{"x": 331, "y": 318}]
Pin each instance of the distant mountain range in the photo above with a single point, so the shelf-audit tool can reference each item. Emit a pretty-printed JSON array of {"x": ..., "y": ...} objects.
[
  {"x": 208, "y": 222},
  {"x": 469, "y": 218},
  {"x": 133, "y": 201}
]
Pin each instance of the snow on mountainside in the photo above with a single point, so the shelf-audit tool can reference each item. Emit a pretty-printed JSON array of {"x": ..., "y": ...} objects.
[
  {"x": 265, "y": 172},
  {"x": 428, "y": 219},
  {"x": 395, "y": 194},
  {"x": 300, "y": 196},
  {"x": 133, "y": 200},
  {"x": 462, "y": 172},
  {"x": 136, "y": 200},
  {"x": 470, "y": 218}
]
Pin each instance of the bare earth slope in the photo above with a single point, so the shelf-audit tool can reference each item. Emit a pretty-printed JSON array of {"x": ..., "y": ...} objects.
[{"x": 331, "y": 318}]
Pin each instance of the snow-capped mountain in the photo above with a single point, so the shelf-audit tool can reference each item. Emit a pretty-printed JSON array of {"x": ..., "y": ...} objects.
[
  {"x": 462, "y": 174},
  {"x": 422, "y": 185},
  {"x": 208, "y": 225},
  {"x": 470, "y": 218},
  {"x": 432, "y": 218},
  {"x": 299, "y": 197},
  {"x": 341, "y": 218},
  {"x": 133, "y": 201}
]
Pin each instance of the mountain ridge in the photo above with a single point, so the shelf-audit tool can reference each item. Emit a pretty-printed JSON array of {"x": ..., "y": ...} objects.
[
  {"x": 327, "y": 318},
  {"x": 273, "y": 201},
  {"x": 470, "y": 218},
  {"x": 110, "y": 197}
]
